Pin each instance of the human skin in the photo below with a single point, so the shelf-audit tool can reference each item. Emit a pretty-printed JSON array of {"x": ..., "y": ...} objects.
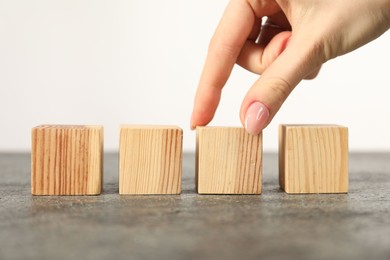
[{"x": 297, "y": 38}]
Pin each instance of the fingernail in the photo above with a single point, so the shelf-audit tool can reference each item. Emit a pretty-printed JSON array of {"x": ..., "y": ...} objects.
[{"x": 256, "y": 117}]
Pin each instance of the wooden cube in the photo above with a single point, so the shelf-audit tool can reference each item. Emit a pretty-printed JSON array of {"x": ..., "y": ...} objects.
[
  {"x": 313, "y": 158},
  {"x": 228, "y": 161},
  {"x": 66, "y": 160},
  {"x": 150, "y": 159}
]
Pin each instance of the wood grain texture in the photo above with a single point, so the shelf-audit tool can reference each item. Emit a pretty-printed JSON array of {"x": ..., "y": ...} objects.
[
  {"x": 228, "y": 161},
  {"x": 66, "y": 160},
  {"x": 313, "y": 158},
  {"x": 150, "y": 159}
]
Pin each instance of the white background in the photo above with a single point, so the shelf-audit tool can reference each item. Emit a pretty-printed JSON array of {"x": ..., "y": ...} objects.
[{"x": 116, "y": 62}]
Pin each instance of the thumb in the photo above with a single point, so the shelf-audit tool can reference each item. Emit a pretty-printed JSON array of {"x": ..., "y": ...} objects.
[{"x": 267, "y": 95}]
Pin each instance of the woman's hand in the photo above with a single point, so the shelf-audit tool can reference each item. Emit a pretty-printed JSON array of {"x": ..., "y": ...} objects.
[{"x": 297, "y": 37}]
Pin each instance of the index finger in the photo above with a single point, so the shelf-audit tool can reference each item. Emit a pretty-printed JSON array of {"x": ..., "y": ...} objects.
[{"x": 225, "y": 46}]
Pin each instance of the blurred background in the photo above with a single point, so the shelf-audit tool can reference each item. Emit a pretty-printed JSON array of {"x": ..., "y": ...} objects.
[{"x": 138, "y": 62}]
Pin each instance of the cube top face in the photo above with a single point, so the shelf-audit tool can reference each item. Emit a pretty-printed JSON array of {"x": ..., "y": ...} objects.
[
  {"x": 150, "y": 160},
  {"x": 228, "y": 161},
  {"x": 153, "y": 127},
  {"x": 66, "y": 160},
  {"x": 313, "y": 158},
  {"x": 311, "y": 126},
  {"x": 82, "y": 127}
]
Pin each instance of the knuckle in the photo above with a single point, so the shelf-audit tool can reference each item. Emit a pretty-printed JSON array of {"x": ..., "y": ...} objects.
[
  {"x": 320, "y": 51},
  {"x": 280, "y": 88},
  {"x": 313, "y": 74},
  {"x": 221, "y": 49},
  {"x": 324, "y": 50}
]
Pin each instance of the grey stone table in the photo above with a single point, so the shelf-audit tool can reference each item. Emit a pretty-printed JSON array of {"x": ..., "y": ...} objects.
[{"x": 273, "y": 225}]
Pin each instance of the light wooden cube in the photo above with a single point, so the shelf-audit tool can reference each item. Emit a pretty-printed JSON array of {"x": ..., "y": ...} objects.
[
  {"x": 313, "y": 158},
  {"x": 150, "y": 159},
  {"x": 66, "y": 160},
  {"x": 228, "y": 161}
]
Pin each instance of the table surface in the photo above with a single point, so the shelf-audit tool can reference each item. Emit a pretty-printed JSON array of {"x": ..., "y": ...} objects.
[{"x": 273, "y": 225}]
